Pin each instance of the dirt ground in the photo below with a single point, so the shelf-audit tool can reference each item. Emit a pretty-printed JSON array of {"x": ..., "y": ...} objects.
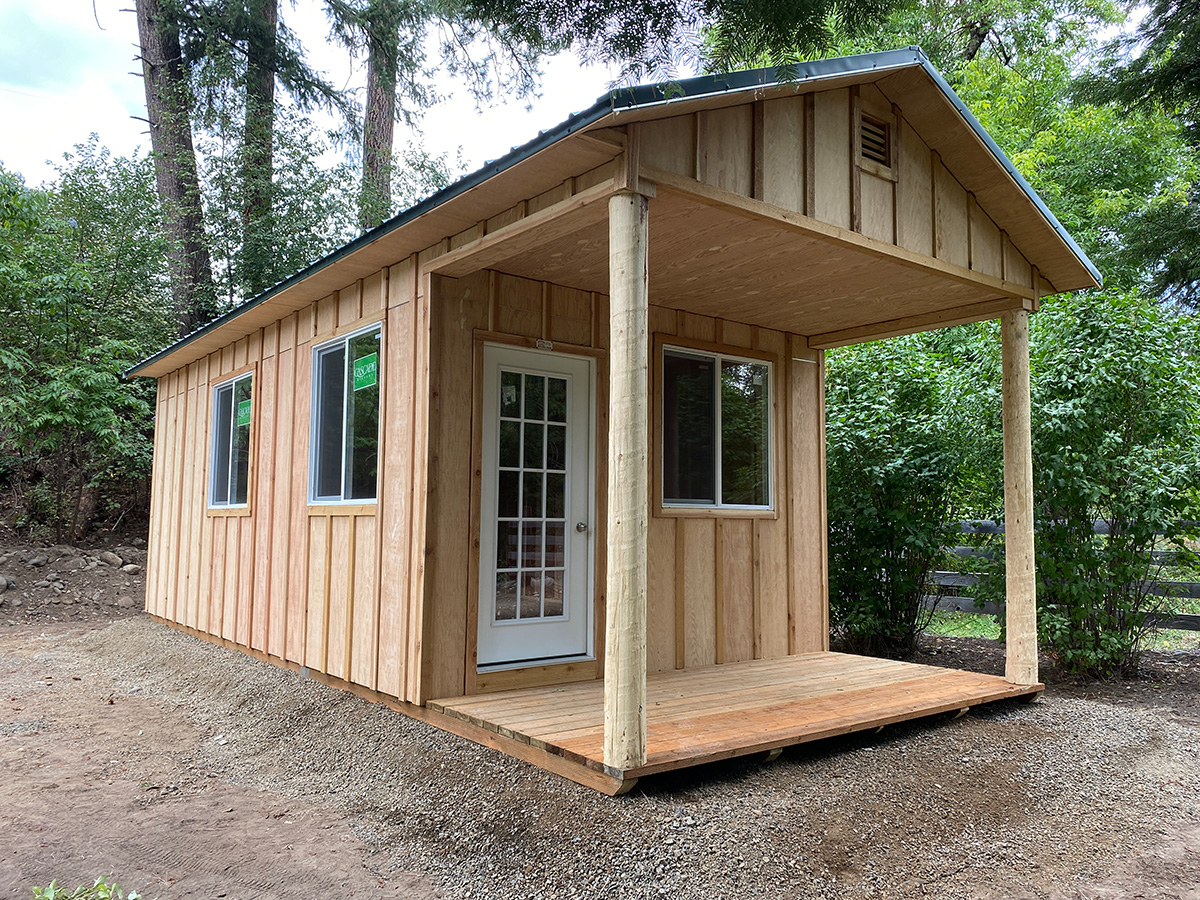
[{"x": 186, "y": 771}]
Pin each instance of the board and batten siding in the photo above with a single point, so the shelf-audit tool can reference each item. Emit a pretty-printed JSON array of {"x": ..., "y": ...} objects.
[
  {"x": 800, "y": 154},
  {"x": 320, "y": 586},
  {"x": 722, "y": 587}
]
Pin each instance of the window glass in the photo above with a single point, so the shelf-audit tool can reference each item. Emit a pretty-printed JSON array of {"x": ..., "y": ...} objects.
[
  {"x": 331, "y": 378},
  {"x": 230, "y": 470},
  {"x": 689, "y": 428},
  {"x": 743, "y": 433},
  {"x": 362, "y": 418},
  {"x": 715, "y": 430},
  {"x": 346, "y": 418}
]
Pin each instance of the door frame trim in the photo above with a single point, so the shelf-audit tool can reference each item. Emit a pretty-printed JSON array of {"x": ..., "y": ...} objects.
[{"x": 599, "y": 366}]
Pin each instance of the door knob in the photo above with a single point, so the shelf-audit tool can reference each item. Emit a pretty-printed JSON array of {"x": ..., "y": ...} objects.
[{"x": 581, "y": 527}]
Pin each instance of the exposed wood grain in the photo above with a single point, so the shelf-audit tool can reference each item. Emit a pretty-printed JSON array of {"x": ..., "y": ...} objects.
[
  {"x": 771, "y": 558},
  {"x": 707, "y": 714},
  {"x": 960, "y": 315},
  {"x": 878, "y": 199},
  {"x": 518, "y": 306},
  {"x": 837, "y": 237},
  {"x": 415, "y": 658},
  {"x": 563, "y": 217},
  {"x": 699, "y": 592},
  {"x": 570, "y": 315},
  {"x": 459, "y": 307},
  {"x": 232, "y": 565},
  {"x": 987, "y": 245},
  {"x": 298, "y": 549},
  {"x": 1021, "y": 658},
  {"x": 950, "y": 217},
  {"x": 281, "y": 489},
  {"x": 737, "y": 589},
  {"x": 262, "y": 450},
  {"x": 317, "y": 560},
  {"x": 725, "y": 149},
  {"x": 628, "y": 492},
  {"x": 831, "y": 111},
  {"x": 806, "y": 462},
  {"x": 670, "y": 144}
]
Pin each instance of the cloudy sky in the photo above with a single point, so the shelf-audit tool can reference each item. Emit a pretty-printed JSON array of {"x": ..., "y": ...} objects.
[{"x": 66, "y": 72}]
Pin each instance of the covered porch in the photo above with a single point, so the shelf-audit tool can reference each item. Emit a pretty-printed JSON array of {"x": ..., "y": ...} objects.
[{"x": 697, "y": 716}]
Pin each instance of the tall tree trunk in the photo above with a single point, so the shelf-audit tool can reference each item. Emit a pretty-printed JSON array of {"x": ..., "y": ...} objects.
[
  {"x": 379, "y": 123},
  {"x": 257, "y": 151},
  {"x": 175, "y": 166}
]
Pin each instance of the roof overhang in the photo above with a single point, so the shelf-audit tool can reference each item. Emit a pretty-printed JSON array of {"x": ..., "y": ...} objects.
[{"x": 571, "y": 246}]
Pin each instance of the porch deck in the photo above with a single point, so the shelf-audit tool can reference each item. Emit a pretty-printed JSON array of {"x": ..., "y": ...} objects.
[{"x": 701, "y": 715}]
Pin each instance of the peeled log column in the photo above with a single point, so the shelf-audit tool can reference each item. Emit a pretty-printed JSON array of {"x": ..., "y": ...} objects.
[
  {"x": 1021, "y": 664},
  {"x": 628, "y": 491}
]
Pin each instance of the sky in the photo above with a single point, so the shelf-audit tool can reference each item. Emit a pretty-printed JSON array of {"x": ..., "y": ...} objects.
[{"x": 66, "y": 72}]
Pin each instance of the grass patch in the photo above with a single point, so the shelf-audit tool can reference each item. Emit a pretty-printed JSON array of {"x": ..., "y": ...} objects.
[
  {"x": 1172, "y": 639},
  {"x": 964, "y": 624}
]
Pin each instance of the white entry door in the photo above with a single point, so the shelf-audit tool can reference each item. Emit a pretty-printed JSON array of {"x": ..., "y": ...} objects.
[{"x": 535, "y": 556}]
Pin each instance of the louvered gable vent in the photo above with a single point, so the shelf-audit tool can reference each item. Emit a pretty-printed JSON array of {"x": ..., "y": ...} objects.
[{"x": 875, "y": 140}]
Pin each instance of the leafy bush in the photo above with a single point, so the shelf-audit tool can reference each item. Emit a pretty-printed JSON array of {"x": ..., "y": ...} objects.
[
  {"x": 895, "y": 451},
  {"x": 100, "y": 890},
  {"x": 1116, "y": 397}
]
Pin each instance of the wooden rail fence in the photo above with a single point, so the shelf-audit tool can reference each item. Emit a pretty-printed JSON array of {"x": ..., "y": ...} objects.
[{"x": 957, "y": 581}]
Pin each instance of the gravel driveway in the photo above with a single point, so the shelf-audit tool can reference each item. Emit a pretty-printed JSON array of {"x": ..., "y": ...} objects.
[{"x": 1074, "y": 796}]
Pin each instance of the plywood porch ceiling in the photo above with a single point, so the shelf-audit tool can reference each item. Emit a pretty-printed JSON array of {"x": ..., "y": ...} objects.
[{"x": 725, "y": 263}]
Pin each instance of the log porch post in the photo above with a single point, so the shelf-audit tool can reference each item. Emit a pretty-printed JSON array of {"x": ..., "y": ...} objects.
[
  {"x": 628, "y": 475},
  {"x": 1021, "y": 662}
]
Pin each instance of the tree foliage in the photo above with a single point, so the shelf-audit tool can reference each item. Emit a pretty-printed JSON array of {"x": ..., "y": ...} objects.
[
  {"x": 656, "y": 39},
  {"x": 1112, "y": 177},
  {"x": 1155, "y": 71},
  {"x": 84, "y": 293},
  {"x": 1025, "y": 34}
]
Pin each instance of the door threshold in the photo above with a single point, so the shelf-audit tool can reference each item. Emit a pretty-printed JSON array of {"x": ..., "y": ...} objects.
[{"x": 534, "y": 663}]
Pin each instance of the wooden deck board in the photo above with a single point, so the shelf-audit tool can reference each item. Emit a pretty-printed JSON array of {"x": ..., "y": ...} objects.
[{"x": 701, "y": 715}]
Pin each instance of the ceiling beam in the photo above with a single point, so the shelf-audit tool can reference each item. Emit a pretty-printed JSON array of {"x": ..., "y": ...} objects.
[
  {"x": 579, "y": 210},
  {"x": 833, "y": 234},
  {"x": 942, "y": 318}
]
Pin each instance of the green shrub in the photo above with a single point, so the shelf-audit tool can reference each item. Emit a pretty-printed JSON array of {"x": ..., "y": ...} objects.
[
  {"x": 1116, "y": 420},
  {"x": 100, "y": 890},
  {"x": 894, "y": 457}
]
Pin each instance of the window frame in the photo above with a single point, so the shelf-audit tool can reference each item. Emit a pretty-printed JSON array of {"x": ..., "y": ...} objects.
[
  {"x": 344, "y": 340},
  {"x": 718, "y": 353},
  {"x": 212, "y": 505}
]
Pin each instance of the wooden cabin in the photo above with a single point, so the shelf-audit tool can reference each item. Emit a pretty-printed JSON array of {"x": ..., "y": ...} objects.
[{"x": 541, "y": 459}]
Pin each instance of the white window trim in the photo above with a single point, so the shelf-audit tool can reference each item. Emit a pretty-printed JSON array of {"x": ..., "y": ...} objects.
[
  {"x": 718, "y": 357},
  {"x": 313, "y": 499},
  {"x": 230, "y": 383}
]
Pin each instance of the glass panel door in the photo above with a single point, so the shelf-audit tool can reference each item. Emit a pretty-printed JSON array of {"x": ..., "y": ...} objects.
[{"x": 535, "y": 573}]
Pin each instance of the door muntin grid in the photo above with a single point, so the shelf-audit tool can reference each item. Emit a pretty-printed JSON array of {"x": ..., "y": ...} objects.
[{"x": 532, "y": 497}]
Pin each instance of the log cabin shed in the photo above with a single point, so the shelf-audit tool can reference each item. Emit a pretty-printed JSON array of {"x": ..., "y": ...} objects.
[{"x": 541, "y": 460}]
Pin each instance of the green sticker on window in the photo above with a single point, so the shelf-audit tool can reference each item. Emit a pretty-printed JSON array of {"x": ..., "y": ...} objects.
[
  {"x": 366, "y": 371},
  {"x": 243, "y": 413}
]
